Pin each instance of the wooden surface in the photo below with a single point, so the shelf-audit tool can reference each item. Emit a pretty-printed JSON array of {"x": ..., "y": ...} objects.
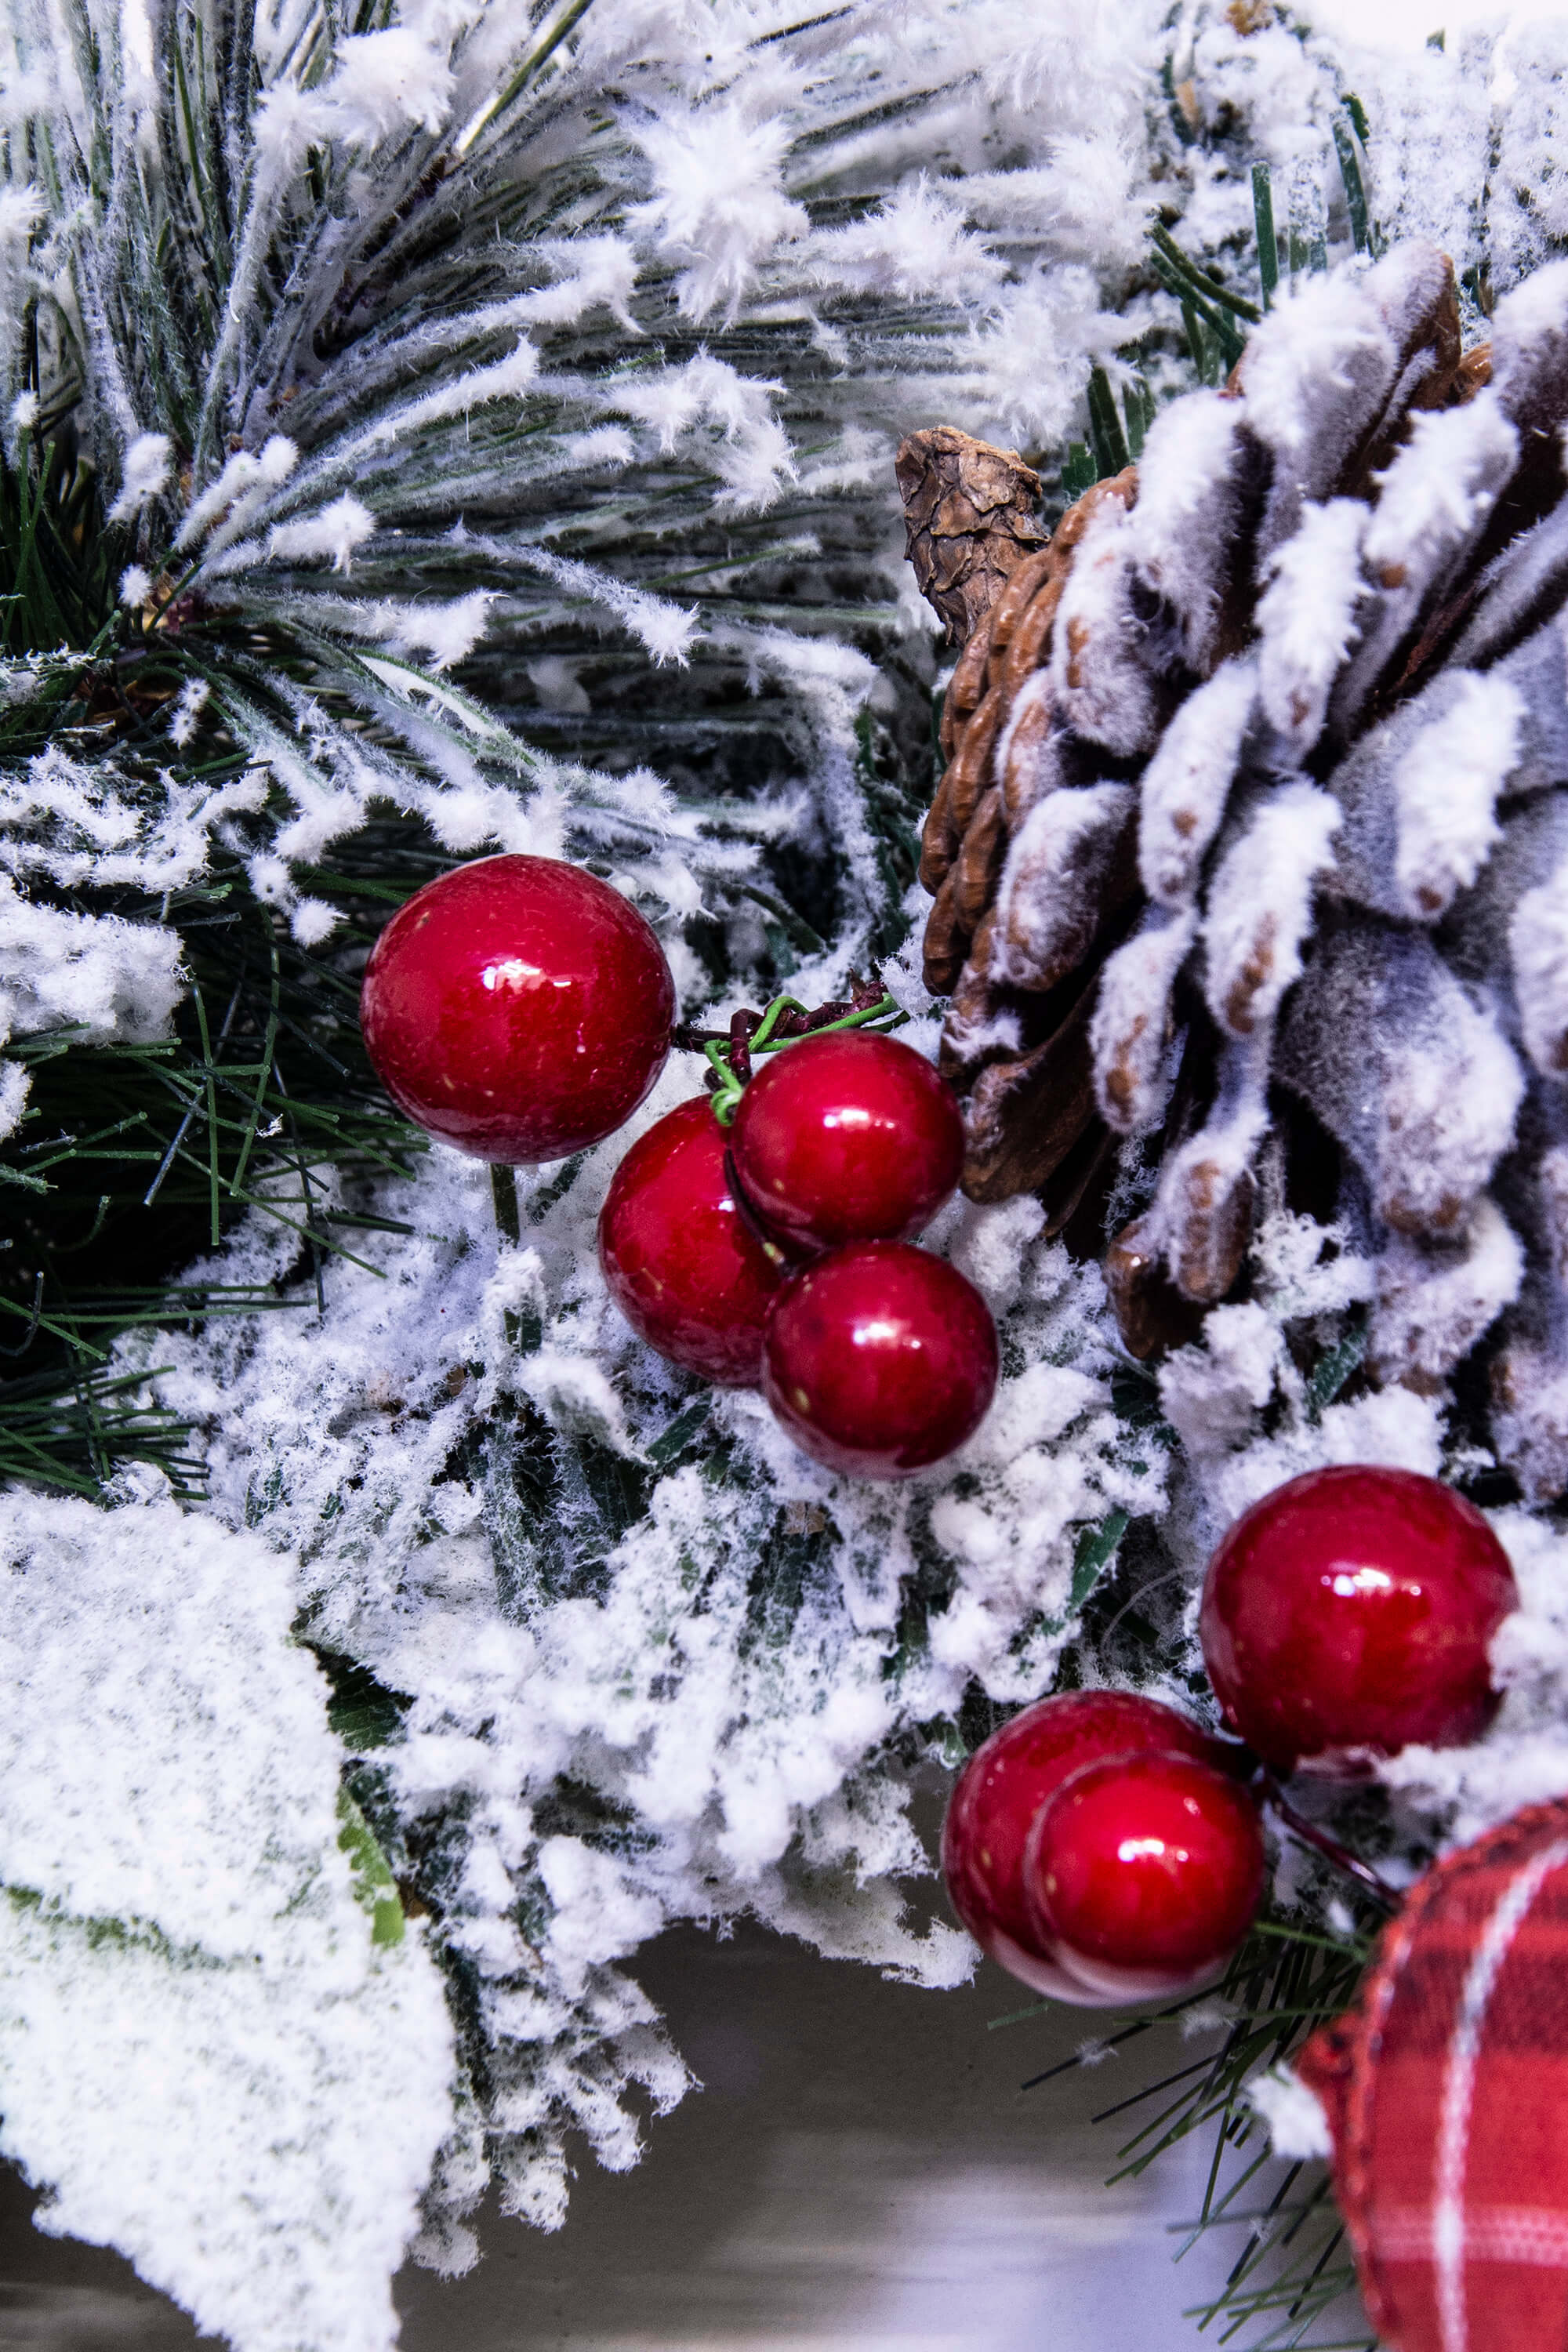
[{"x": 860, "y": 2174}]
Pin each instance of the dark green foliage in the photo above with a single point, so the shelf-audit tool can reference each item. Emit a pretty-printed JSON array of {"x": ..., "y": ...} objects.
[
  {"x": 360, "y": 1710},
  {"x": 1105, "y": 426},
  {"x": 55, "y": 555},
  {"x": 1292, "y": 2282},
  {"x": 1267, "y": 238},
  {"x": 72, "y": 1426},
  {"x": 134, "y": 1161}
]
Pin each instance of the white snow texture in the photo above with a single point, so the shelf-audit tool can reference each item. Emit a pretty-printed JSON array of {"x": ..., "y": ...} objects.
[{"x": 188, "y": 1978}]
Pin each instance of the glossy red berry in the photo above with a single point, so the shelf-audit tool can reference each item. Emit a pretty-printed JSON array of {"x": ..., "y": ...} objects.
[
  {"x": 1002, "y": 1789},
  {"x": 847, "y": 1137},
  {"x": 1143, "y": 1875},
  {"x": 682, "y": 1263},
  {"x": 880, "y": 1359},
  {"x": 519, "y": 1008},
  {"x": 1348, "y": 1612}
]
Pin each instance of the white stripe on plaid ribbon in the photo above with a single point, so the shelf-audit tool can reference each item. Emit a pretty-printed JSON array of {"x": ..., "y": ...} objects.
[
  {"x": 1450, "y": 2237},
  {"x": 1532, "y": 2234}
]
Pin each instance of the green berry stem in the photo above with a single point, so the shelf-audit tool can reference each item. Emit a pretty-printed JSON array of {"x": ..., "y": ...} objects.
[
  {"x": 508, "y": 1225},
  {"x": 783, "y": 1023},
  {"x": 503, "y": 1191}
]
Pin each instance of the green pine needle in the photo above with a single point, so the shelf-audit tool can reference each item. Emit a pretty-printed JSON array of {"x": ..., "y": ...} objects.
[
  {"x": 142, "y": 1157},
  {"x": 1292, "y": 2275}
]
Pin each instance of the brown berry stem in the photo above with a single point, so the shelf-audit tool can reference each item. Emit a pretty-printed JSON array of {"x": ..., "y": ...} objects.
[{"x": 1340, "y": 1856}]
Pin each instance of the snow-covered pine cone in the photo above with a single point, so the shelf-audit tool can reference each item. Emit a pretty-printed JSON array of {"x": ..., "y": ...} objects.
[{"x": 1255, "y": 824}]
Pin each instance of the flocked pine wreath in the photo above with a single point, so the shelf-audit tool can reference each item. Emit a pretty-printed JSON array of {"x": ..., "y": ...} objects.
[{"x": 435, "y": 430}]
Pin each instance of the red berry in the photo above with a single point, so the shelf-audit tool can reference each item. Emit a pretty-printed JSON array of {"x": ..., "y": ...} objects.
[
  {"x": 1143, "y": 1873},
  {"x": 1351, "y": 1611},
  {"x": 1003, "y": 1786},
  {"x": 847, "y": 1139},
  {"x": 682, "y": 1264},
  {"x": 880, "y": 1359},
  {"x": 519, "y": 1008}
]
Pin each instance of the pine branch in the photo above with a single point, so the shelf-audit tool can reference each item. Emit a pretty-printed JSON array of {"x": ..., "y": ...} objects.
[
  {"x": 71, "y": 1428},
  {"x": 136, "y": 1156}
]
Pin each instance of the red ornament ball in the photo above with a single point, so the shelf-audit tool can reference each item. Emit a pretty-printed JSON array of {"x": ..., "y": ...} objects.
[
  {"x": 1002, "y": 1789},
  {"x": 879, "y": 1359},
  {"x": 681, "y": 1262},
  {"x": 1143, "y": 1875},
  {"x": 847, "y": 1137},
  {"x": 1348, "y": 1615},
  {"x": 518, "y": 1008}
]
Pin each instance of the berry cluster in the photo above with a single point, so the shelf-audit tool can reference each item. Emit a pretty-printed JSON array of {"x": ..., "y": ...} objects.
[
  {"x": 1098, "y": 1848},
  {"x": 780, "y": 1252},
  {"x": 521, "y": 1010},
  {"x": 1105, "y": 1848}
]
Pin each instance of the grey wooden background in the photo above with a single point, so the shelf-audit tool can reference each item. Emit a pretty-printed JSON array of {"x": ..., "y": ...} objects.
[{"x": 859, "y": 2174}]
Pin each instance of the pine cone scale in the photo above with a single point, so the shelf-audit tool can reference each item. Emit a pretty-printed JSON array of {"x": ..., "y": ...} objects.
[
  {"x": 1151, "y": 1313},
  {"x": 970, "y": 515},
  {"x": 1028, "y": 752},
  {"x": 1029, "y": 641},
  {"x": 966, "y": 687},
  {"x": 980, "y": 861},
  {"x": 1072, "y": 868},
  {"x": 1214, "y": 1230},
  {"x": 937, "y": 839},
  {"x": 1430, "y": 359},
  {"x": 946, "y": 941},
  {"x": 970, "y": 769},
  {"x": 1025, "y": 1116},
  {"x": 1031, "y": 575}
]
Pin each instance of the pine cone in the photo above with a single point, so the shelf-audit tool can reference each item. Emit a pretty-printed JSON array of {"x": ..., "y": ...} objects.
[
  {"x": 969, "y": 510},
  {"x": 1255, "y": 824}
]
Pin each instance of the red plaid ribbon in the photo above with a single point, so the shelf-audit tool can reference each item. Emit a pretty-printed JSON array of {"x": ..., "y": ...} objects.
[{"x": 1447, "y": 2094}]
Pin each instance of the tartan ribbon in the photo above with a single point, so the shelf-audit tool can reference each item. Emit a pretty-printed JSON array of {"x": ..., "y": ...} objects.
[{"x": 1447, "y": 2094}]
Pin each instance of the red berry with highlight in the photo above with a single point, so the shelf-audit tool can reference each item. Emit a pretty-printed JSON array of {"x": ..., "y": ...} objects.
[
  {"x": 518, "y": 1008},
  {"x": 1349, "y": 1613},
  {"x": 879, "y": 1359},
  {"x": 1003, "y": 1786},
  {"x": 681, "y": 1262},
  {"x": 1143, "y": 1875},
  {"x": 847, "y": 1137}
]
